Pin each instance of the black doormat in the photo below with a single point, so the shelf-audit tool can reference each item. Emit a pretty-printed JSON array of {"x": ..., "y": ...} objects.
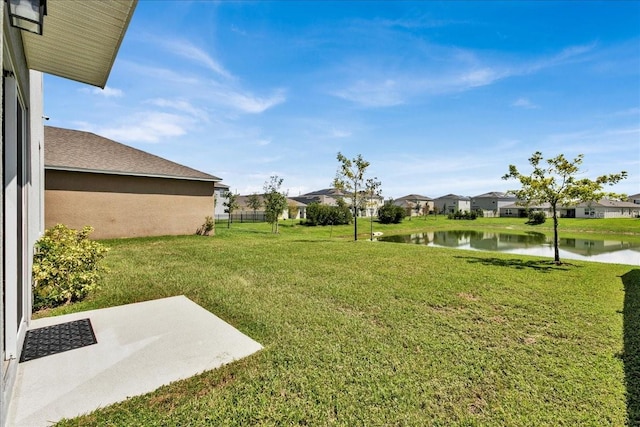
[{"x": 57, "y": 339}]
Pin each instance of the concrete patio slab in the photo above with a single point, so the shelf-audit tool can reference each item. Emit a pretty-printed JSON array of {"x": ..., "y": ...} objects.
[{"x": 140, "y": 348}]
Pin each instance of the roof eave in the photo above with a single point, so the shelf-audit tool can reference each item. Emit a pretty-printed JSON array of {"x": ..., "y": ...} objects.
[
  {"x": 80, "y": 40},
  {"x": 124, "y": 173}
]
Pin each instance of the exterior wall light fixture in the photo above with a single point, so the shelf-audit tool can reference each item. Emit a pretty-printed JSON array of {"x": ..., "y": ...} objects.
[{"x": 27, "y": 15}]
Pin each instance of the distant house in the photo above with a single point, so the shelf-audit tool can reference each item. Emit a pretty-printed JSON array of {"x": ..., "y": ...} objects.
[
  {"x": 607, "y": 209},
  {"x": 410, "y": 201},
  {"x": 521, "y": 211},
  {"x": 247, "y": 213},
  {"x": 296, "y": 209},
  {"x": 634, "y": 198},
  {"x": 602, "y": 209},
  {"x": 490, "y": 203},
  {"x": 118, "y": 190},
  {"x": 326, "y": 196},
  {"x": 219, "y": 190},
  {"x": 452, "y": 203},
  {"x": 330, "y": 196}
]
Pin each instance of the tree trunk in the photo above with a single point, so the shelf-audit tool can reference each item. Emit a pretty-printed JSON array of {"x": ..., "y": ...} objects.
[
  {"x": 355, "y": 223},
  {"x": 556, "y": 250}
]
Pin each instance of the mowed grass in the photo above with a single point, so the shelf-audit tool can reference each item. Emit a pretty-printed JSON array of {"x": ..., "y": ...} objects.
[{"x": 376, "y": 334}]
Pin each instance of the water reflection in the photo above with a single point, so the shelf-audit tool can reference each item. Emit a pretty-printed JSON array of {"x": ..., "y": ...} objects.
[{"x": 530, "y": 243}]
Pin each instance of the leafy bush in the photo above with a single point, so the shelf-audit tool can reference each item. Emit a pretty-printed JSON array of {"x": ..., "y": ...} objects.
[
  {"x": 536, "y": 217},
  {"x": 319, "y": 214},
  {"x": 206, "y": 228},
  {"x": 390, "y": 213},
  {"x": 463, "y": 215},
  {"x": 65, "y": 266}
]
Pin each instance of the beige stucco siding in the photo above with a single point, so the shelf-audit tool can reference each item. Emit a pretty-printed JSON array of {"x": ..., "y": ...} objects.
[{"x": 126, "y": 206}]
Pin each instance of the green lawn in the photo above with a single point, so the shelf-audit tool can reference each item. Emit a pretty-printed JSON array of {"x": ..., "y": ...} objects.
[{"x": 374, "y": 334}]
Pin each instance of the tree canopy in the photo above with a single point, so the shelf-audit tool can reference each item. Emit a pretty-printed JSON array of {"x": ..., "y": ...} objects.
[
  {"x": 558, "y": 184},
  {"x": 349, "y": 179},
  {"x": 230, "y": 205},
  {"x": 254, "y": 202},
  {"x": 275, "y": 201}
]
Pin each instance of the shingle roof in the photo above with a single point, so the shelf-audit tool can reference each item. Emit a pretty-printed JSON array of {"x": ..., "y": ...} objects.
[
  {"x": 495, "y": 194},
  {"x": 453, "y": 196},
  {"x": 74, "y": 150},
  {"x": 325, "y": 192},
  {"x": 414, "y": 197}
]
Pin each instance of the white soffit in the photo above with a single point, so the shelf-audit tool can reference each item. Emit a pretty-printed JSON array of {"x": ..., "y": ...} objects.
[{"x": 80, "y": 39}]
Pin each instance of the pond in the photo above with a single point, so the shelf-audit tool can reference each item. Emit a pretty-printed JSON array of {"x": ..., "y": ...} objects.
[{"x": 532, "y": 243}]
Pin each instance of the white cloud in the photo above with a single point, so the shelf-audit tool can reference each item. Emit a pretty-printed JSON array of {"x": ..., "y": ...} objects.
[
  {"x": 524, "y": 103},
  {"x": 628, "y": 112},
  {"x": 181, "y": 105},
  {"x": 384, "y": 93},
  {"x": 149, "y": 127},
  {"x": 245, "y": 101},
  {"x": 107, "y": 92},
  {"x": 447, "y": 70},
  {"x": 338, "y": 133},
  {"x": 477, "y": 77},
  {"x": 158, "y": 73},
  {"x": 264, "y": 160},
  {"x": 567, "y": 55},
  {"x": 187, "y": 50}
]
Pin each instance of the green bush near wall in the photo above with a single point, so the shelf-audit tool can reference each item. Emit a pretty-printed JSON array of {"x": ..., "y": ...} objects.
[{"x": 66, "y": 266}]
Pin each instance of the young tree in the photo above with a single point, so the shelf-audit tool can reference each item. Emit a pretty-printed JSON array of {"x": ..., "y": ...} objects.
[
  {"x": 275, "y": 202},
  {"x": 292, "y": 210},
  {"x": 558, "y": 185},
  {"x": 254, "y": 202},
  {"x": 349, "y": 179},
  {"x": 425, "y": 209},
  {"x": 230, "y": 204},
  {"x": 417, "y": 207},
  {"x": 372, "y": 190}
]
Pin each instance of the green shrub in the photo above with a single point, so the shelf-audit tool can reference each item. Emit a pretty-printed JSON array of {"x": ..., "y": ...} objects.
[
  {"x": 320, "y": 214},
  {"x": 536, "y": 217},
  {"x": 463, "y": 215},
  {"x": 206, "y": 228},
  {"x": 390, "y": 213},
  {"x": 65, "y": 266}
]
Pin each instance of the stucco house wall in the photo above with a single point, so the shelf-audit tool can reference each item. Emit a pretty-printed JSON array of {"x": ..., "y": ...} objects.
[
  {"x": 452, "y": 203},
  {"x": 608, "y": 209},
  {"x": 602, "y": 209},
  {"x": 126, "y": 206},
  {"x": 119, "y": 190},
  {"x": 490, "y": 203},
  {"x": 409, "y": 204}
]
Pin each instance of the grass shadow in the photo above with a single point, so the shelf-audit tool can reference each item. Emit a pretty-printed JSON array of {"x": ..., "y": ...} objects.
[
  {"x": 631, "y": 352},
  {"x": 519, "y": 264}
]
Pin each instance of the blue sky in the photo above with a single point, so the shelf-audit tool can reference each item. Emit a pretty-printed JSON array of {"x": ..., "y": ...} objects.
[{"x": 440, "y": 97}]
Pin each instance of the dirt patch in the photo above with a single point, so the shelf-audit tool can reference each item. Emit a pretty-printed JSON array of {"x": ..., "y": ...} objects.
[{"x": 468, "y": 297}]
